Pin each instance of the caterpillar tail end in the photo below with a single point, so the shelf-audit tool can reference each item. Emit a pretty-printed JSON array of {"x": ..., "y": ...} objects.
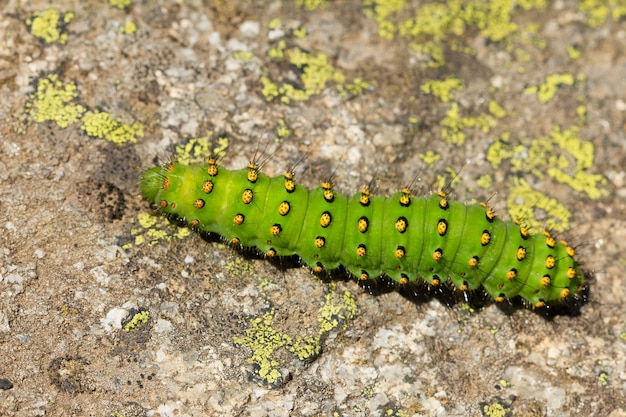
[{"x": 151, "y": 183}]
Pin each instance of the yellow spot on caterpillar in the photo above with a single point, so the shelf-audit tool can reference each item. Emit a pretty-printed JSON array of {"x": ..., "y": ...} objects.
[
  {"x": 363, "y": 224},
  {"x": 320, "y": 242},
  {"x": 275, "y": 230},
  {"x": 485, "y": 238},
  {"x": 545, "y": 280},
  {"x": 318, "y": 268},
  {"x": 524, "y": 232},
  {"x": 550, "y": 242},
  {"x": 540, "y": 304},
  {"x": 271, "y": 253},
  {"x": 521, "y": 253},
  {"x": 212, "y": 168},
  {"x": 403, "y": 280},
  {"x": 247, "y": 196},
  {"x": 199, "y": 203},
  {"x": 284, "y": 208},
  {"x": 365, "y": 197},
  {"x": 195, "y": 223},
  {"x": 500, "y": 298},
  {"x": 166, "y": 183},
  {"x": 511, "y": 274},
  {"x": 207, "y": 186},
  {"x": 238, "y": 219},
  {"x": 405, "y": 198},
  {"x": 437, "y": 254},
  {"x": 442, "y": 227},
  {"x": 571, "y": 273},
  {"x": 436, "y": 281},
  {"x": 400, "y": 252},
  {"x": 325, "y": 219},
  {"x": 401, "y": 224},
  {"x": 473, "y": 262},
  {"x": 253, "y": 172},
  {"x": 364, "y": 276},
  {"x": 235, "y": 241},
  {"x": 329, "y": 196},
  {"x": 564, "y": 293},
  {"x": 550, "y": 262},
  {"x": 290, "y": 184},
  {"x": 361, "y": 250}
]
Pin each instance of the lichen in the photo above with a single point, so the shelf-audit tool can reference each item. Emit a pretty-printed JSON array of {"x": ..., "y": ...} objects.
[
  {"x": 54, "y": 101},
  {"x": 120, "y": 4},
  {"x": 48, "y": 25},
  {"x": 453, "y": 125},
  {"x": 443, "y": 89},
  {"x": 139, "y": 318},
  {"x": 102, "y": 125},
  {"x": 315, "y": 74},
  {"x": 524, "y": 201},
  {"x": 197, "y": 150}
]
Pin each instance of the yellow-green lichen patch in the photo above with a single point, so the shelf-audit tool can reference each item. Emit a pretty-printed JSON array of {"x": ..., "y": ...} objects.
[
  {"x": 48, "y": 25},
  {"x": 381, "y": 11},
  {"x": 394, "y": 412},
  {"x": 282, "y": 130},
  {"x": 128, "y": 28},
  {"x": 598, "y": 11},
  {"x": 264, "y": 340},
  {"x": 300, "y": 32},
  {"x": 53, "y": 101},
  {"x": 561, "y": 154},
  {"x": 240, "y": 267},
  {"x": 546, "y": 91},
  {"x": 497, "y": 110},
  {"x": 120, "y": 4},
  {"x": 197, "y": 150},
  {"x": 429, "y": 158},
  {"x": 138, "y": 319},
  {"x": 449, "y": 180},
  {"x": 524, "y": 201},
  {"x": 574, "y": 52},
  {"x": 243, "y": 56},
  {"x": 485, "y": 181},
  {"x": 334, "y": 313},
  {"x": 436, "y": 22},
  {"x": 443, "y": 89},
  {"x": 315, "y": 74},
  {"x": 154, "y": 229},
  {"x": 100, "y": 125},
  {"x": 453, "y": 125},
  {"x": 574, "y": 173},
  {"x": 495, "y": 409},
  {"x": 312, "y": 4}
]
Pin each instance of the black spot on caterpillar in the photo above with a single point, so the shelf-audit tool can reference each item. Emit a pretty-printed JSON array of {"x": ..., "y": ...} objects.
[{"x": 429, "y": 241}]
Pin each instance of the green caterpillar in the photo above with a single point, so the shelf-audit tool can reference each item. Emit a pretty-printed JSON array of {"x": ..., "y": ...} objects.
[{"x": 409, "y": 239}]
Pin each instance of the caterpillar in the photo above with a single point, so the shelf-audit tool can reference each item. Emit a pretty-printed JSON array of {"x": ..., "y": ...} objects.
[{"x": 432, "y": 241}]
